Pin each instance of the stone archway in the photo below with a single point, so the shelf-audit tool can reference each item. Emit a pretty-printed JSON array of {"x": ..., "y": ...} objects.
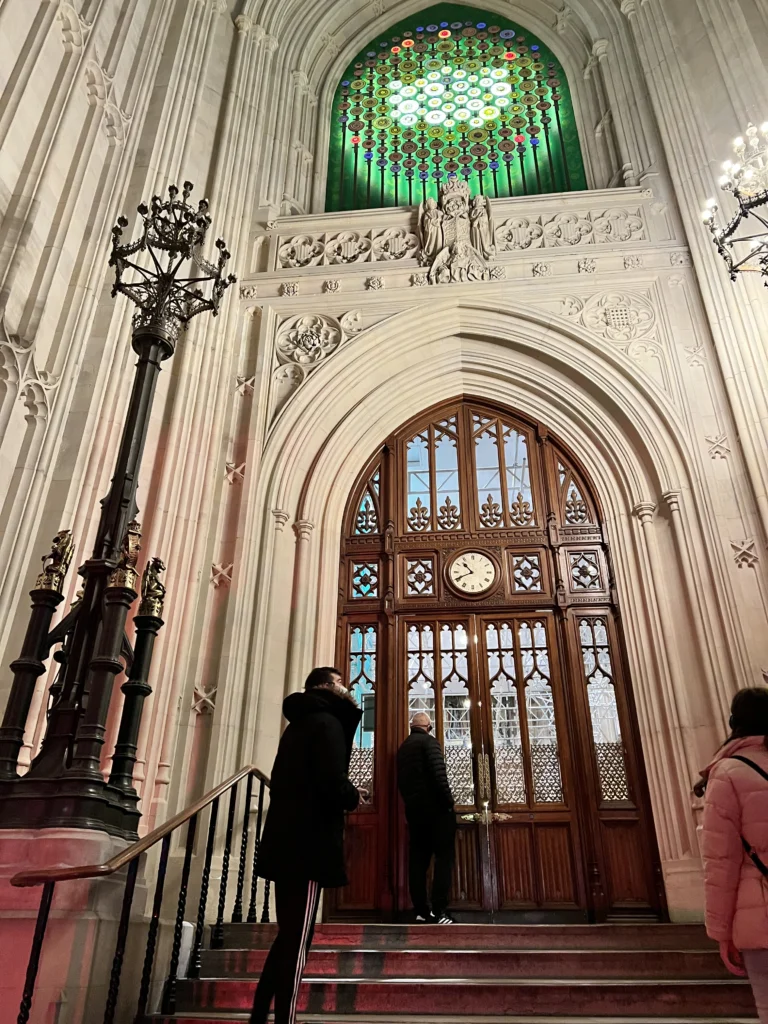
[{"x": 632, "y": 446}]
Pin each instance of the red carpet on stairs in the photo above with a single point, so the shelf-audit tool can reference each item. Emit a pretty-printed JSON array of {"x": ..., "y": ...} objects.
[{"x": 567, "y": 973}]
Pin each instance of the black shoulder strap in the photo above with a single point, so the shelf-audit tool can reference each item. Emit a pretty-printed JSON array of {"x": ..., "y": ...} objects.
[
  {"x": 747, "y": 848},
  {"x": 756, "y": 767}
]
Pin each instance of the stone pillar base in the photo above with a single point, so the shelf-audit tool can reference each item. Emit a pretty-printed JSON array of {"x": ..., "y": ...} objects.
[
  {"x": 684, "y": 884},
  {"x": 80, "y": 939}
]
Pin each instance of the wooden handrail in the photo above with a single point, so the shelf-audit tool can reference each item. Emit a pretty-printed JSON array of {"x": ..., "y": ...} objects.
[{"x": 43, "y": 875}]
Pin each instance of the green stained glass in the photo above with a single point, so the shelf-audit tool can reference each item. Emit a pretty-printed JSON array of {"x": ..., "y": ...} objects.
[{"x": 451, "y": 92}]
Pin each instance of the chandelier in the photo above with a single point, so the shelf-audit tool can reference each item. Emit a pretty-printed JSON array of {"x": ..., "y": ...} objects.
[{"x": 743, "y": 241}]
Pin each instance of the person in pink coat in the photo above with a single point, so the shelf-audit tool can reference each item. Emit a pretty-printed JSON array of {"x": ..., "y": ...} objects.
[{"x": 734, "y": 844}]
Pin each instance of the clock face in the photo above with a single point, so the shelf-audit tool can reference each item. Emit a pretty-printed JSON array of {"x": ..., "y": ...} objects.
[{"x": 472, "y": 572}]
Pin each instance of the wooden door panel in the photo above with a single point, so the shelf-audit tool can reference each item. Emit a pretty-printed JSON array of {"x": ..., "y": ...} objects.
[
  {"x": 515, "y": 866},
  {"x": 626, "y": 869},
  {"x": 361, "y": 845},
  {"x": 555, "y": 862},
  {"x": 467, "y": 882}
]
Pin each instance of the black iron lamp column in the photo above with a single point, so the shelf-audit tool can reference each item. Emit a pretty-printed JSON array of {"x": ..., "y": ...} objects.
[
  {"x": 165, "y": 275},
  {"x": 743, "y": 241}
]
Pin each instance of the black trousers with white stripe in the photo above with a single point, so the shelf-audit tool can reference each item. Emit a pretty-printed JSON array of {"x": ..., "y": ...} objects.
[{"x": 296, "y": 901}]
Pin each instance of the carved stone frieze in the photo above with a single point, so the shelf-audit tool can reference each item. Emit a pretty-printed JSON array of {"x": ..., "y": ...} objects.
[
  {"x": 519, "y": 233},
  {"x": 587, "y": 266},
  {"x": 567, "y": 229},
  {"x": 395, "y": 244},
  {"x": 594, "y": 227},
  {"x": 347, "y": 247},
  {"x": 300, "y": 251}
]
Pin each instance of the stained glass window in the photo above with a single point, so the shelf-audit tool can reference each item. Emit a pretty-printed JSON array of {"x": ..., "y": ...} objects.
[
  {"x": 452, "y": 91},
  {"x": 362, "y": 683}
]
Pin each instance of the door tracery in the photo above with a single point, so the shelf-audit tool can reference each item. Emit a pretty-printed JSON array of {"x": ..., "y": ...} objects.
[{"x": 475, "y": 586}]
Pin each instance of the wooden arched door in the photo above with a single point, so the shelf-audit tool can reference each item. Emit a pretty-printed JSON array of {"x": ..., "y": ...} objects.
[{"x": 475, "y": 583}]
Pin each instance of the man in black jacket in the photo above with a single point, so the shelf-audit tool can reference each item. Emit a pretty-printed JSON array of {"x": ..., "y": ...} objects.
[
  {"x": 302, "y": 846},
  {"x": 423, "y": 784}
]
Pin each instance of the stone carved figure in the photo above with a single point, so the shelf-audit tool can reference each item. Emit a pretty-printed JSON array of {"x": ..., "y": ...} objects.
[
  {"x": 481, "y": 229},
  {"x": 430, "y": 227},
  {"x": 56, "y": 562},
  {"x": 152, "y": 590},
  {"x": 449, "y": 234}
]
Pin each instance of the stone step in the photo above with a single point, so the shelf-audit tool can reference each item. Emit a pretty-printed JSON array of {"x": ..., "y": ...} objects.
[
  {"x": 307, "y": 1018},
  {"x": 651, "y": 998},
  {"x": 633, "y": 935},
  {"x": 484, "y": 963}
]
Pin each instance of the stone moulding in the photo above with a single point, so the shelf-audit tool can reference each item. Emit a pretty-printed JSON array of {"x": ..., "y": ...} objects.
[{"x": 616, "y": 217}]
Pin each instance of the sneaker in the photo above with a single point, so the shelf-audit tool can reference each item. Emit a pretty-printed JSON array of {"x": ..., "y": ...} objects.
[
  {"x": 425, "y": 919},
  {"x": 445, "y": 919}
]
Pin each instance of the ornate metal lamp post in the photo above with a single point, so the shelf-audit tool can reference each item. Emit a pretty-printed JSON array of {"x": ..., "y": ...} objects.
[
  {"x": 163, "y": 272},
  {"x": 743, "y": 241}
]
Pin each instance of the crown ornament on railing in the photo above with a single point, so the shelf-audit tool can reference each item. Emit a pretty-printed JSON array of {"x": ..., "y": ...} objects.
[
  {"x": 744, "y": 246},
  {"x": 170, "y": 283}
]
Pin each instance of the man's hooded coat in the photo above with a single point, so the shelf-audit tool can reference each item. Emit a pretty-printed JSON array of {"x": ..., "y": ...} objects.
[{"x": 310, "y": 792}]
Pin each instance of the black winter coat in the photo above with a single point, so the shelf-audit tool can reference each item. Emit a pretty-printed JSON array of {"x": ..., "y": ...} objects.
[
  {"x": 421, "y": 775},
  {"x": 304, "y": 832}
]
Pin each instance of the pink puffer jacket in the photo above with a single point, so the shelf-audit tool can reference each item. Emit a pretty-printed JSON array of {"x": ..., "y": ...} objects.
[{"x": 736, "y": 805}]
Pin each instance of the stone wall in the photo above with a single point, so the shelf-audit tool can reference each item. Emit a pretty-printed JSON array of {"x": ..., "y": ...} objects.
[{"x": 610, "y": 317}]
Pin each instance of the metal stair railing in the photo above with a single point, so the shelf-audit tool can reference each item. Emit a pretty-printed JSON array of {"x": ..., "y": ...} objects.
[{"x": 130, "y": 858}]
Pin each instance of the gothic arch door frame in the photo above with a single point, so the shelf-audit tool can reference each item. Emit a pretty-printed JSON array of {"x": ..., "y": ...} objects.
[{"x": 476, "y": 584}]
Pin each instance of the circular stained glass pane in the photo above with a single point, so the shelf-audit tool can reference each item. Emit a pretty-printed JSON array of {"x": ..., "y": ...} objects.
[
  {"x": 501, "y": 89},
  {"x": 408, "y": 119},
  {"x": 434, "y": 117},
  {"x": 462, "y": 114},
  {"x": 408, "y": 107}
]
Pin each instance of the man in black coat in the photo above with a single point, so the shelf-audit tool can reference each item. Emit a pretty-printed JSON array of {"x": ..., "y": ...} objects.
[
  {"x": 423, "y": 784},
  {"x": 302, "y": 846}
]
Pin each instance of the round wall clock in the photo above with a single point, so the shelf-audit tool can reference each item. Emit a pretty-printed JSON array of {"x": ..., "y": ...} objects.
[{"x": 472, "y": 572}]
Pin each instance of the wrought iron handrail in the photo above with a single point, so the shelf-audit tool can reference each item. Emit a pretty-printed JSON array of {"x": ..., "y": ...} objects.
[
  {"x": 39, "y": 877},
  {"x": 130, "y": 858}
]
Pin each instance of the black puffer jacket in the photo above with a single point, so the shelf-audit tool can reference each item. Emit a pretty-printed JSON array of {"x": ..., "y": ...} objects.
[
  {"x": 421, "y": 775},
  {"x": 304, "y": 832}
]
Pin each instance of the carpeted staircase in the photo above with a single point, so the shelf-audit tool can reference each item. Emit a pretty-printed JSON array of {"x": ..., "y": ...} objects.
[{"x": 391, "y": 973}]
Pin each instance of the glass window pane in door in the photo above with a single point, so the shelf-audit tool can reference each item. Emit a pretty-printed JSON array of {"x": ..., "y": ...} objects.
[
  {"x": 421, "y": 670},
  {"x": 447, "y": 475},
  {"x": 601, "y": 693},
  {"x": 457, "y": 733},
  {"x": 362, "y": 684},
  {"x": 490, "y": 502},
  {"x": 518, "y": 477},
  {"x": 418, "y": 510},
  {"x": 505, "y": 714},
  {"x": 540, "y": 713}
]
